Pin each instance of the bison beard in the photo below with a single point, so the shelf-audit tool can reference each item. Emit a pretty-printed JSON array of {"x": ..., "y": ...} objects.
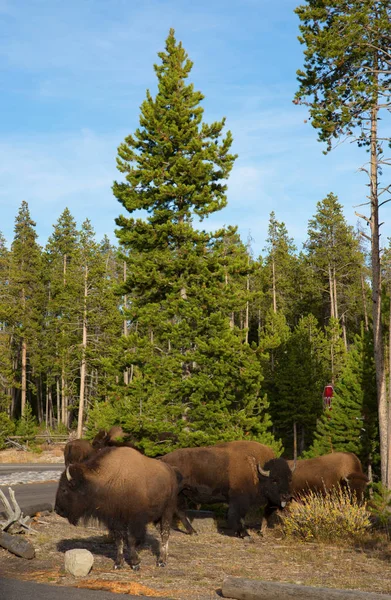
[
  {"x": 241, "y": 473},
  {"x": 125, "y": 491}
]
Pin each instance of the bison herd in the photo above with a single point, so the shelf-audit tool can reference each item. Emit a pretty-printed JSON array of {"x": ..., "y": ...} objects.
[{"x": 109, "y": 480}]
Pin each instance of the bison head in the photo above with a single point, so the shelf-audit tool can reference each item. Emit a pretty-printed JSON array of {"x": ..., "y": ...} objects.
[
  {"x": 100, "y": 440},
  {"x": 72, "y": 498},
  {"x": 275, "y": 480}
]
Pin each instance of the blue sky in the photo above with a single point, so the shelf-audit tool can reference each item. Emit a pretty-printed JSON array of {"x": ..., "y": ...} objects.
[{"x": 73, "y": 76}]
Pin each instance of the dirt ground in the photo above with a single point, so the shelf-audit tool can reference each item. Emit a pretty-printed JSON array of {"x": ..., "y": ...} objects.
[{"x": 197, "y": 565}]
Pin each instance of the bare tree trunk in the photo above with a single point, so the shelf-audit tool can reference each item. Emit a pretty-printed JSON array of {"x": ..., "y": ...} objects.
[
  {"x": 345, "y": 339},
  {"x": 335, "y": 295},
  {"x": 47, "y": 407},
  {"x": 50, "y": 397},
  {"x": 24, "y": 378},
  {"x": 376, "y": 304},
  {"x": 58, "y": 401},
  {"x": 64, "y": 406},
  {"x": 331, "y": 288},
  {"x": 83, "y": 365},
  {"x": 126, "y": 371},
  {"x": 246, "y": 320},
  {"x": 274, "y": 284},
  {"x": 389, "y": 401},
  {"x": 364, "y": 302},
  {"x": 14, "y": 395}
]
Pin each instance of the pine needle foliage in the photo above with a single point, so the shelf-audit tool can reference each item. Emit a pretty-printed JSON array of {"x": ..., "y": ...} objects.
[
  {"x": 193, "y": 376},
  {"x": 351, "y": 425}
]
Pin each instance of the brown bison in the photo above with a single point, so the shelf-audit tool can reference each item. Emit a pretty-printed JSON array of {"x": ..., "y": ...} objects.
[
  {"x": 240, "y": 473},
  {"x": 124, "y": 490},
  {"x": 77, "y": 451},
  {"x": 322, "y": 473},
  {"x": 114, "y": 437},
  {"x": 80, "y": 450}
]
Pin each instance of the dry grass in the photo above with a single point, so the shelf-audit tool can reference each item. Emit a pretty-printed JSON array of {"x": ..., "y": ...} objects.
[
  {"x": 198, "y": 565},
  {"x": 328, "y": 518},
  {"x": 48, "y": 454}
]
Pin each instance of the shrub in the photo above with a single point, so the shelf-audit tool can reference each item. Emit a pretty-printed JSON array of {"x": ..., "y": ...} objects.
[
  {"x": 336, "y": 516},
  {"x": 101, "y": 416},
  {"x": 380, "y": 506},
  {"x": 27, "y": 427},
  {"x": 7, "y": 427}
]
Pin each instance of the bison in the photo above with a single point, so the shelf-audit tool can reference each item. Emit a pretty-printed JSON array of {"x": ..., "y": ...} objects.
[
  {"x": 240, "y": 473},
  {"x": 114, "y": 437},
  {"x": 124, "y": 490},
  {"x": 77, "y": 451},
  {"x": 322, "y": 473}
]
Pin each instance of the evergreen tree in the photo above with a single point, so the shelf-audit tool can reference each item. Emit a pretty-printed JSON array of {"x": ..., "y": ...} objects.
[
  {"x": 351, "y": 424},
  {"x": 346, "y": 83},
  {"x": 334, "y": 254},
  {"x": 194, "y": 376},
  {"x": 239, "y": 269},
  {"x": 28, "y": 309},
  {"x": 105, "y": 321},
  {"x": 280, "y": 269},
  {"x": 300, "y": 379},
  {"x": 64, "y": 288},
  {"x": 6, "y": 371},
  {"x": 98, "y": 316}
]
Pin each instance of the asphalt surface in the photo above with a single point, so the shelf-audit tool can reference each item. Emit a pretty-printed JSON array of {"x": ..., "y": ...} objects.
[
  {"x": 31, "y": 497},
  {"x": 13, "y": 589},
  {"x": 6, "y": 468}
]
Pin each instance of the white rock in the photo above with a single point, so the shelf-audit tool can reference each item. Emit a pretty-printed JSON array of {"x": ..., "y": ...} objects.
[{"x": 78, "y": 562}]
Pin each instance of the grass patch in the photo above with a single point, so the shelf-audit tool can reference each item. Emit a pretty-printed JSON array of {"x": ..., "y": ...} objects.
[{"x": 333, "y": 517}]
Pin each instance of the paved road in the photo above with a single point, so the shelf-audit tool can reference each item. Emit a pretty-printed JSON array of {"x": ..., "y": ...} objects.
[
  {"x": 13, "y": 589},
  {"x": 7, "y": 468},
  {"x": 31, "y": 497}
]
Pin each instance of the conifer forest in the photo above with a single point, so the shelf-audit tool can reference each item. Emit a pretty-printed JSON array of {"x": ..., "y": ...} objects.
[{"x": 182, "y": 335}]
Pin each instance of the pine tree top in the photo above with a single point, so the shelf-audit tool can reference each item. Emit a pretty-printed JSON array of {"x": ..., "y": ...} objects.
[{"x": 174, "y": 165}]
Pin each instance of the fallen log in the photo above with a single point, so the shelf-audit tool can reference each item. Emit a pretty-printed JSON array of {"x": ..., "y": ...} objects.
[
  {"x": 249, "y": 589},
  {"x": 17, "y": 545}
]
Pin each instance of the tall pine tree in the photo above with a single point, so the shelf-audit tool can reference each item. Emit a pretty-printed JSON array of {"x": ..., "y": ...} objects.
[
  {"x": 194, "y": 375},
  {"x": 28, "y": 303}
]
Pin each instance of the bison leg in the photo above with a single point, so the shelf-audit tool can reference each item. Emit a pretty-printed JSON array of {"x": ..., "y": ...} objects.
[
  {"x": 182, "y": 505},
  {"x": 165, "y": 524},
  {"x": 119, "y": 542},
  {"x": 269, "y": 519},
  {"x": 236, "y": 512},
  {"x": 134, "y": 558}
]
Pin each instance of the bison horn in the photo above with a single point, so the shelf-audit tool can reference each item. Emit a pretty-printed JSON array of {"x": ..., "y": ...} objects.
[
  {"x": 262, "y": 472},
  {"x": 68, "y": 474}
]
